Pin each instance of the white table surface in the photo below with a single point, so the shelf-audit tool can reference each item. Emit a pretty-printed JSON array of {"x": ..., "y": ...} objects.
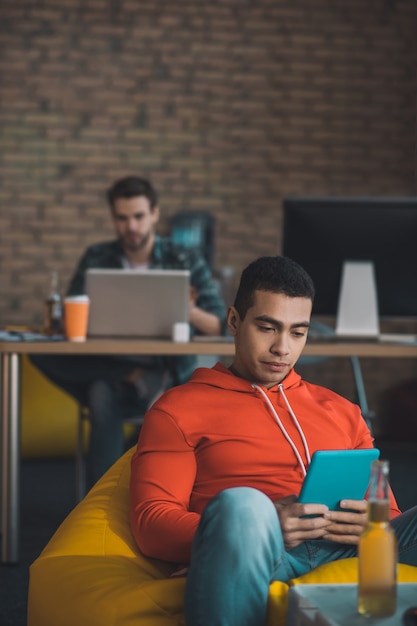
[{"x": 336, "y": 605}]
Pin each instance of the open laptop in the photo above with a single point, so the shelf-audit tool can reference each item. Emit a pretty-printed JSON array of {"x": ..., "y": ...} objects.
[{"x": 136, "y": 303}]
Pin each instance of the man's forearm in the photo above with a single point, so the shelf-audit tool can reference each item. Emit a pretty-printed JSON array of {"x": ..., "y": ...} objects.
[{"x": 205, "y": 322}]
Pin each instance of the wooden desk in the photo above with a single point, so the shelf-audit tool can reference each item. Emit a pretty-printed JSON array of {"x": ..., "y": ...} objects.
[
  {"x": 221, "y": 348},
  {"x": 11, "y": 352}
]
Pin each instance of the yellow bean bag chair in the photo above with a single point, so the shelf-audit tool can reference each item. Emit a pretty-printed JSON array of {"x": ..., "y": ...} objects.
[
  {"x": 91, "y": 573},
  {"x": 49, "y": 416}
]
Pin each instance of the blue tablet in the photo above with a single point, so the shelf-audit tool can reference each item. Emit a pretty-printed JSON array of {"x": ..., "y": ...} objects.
[{"x": 335, "y": 475}]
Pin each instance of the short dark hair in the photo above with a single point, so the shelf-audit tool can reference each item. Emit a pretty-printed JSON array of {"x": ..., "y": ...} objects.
[
  {"x": 276, "y": 274},
  {"x": 130, "y": 187}
]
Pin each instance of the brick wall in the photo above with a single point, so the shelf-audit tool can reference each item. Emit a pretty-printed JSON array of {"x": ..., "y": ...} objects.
[{"x": 228, "y": 106}]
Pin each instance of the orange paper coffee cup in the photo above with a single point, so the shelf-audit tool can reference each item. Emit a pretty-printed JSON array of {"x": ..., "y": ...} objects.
[{"x": 76, "y": 317}]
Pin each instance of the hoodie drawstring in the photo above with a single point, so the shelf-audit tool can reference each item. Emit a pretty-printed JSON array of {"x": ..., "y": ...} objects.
[{"x": 283, "y": 429}]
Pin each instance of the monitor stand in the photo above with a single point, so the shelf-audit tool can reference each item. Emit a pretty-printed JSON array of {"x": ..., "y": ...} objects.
[{"x": 357, "y": 313}]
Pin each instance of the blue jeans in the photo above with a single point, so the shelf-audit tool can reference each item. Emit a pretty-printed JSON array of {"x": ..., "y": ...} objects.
[{"x": 238, "y": 551}]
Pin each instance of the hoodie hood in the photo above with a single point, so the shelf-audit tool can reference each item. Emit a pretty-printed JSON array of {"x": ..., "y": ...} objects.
[{"x": 221, "y": 377}]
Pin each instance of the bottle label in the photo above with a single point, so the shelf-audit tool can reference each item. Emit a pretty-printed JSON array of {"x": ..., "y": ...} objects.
[{"x": 56, "y": 311}]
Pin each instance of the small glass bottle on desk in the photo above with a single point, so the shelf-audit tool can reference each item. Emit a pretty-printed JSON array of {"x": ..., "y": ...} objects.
[
  {"x": 377, "y": 589},
  {"x": 53, "y": 322}
]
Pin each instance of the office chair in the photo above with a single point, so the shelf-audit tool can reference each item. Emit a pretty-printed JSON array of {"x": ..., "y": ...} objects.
[{"x": 195, "y": 229}]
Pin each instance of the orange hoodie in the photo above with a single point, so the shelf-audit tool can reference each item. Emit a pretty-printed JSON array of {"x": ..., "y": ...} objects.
[{"x": 218, "y": 431}]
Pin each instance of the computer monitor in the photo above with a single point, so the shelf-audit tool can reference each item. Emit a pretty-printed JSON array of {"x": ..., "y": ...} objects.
[{"x": 322, "y": 233}]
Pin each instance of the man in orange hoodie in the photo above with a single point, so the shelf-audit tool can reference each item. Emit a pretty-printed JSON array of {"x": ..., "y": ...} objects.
[{"x": 221, "y": 459}]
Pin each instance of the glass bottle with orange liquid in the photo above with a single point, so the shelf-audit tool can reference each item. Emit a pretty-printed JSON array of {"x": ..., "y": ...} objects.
[
  {"x": 377, "y": 589},
  {"x": 53, "y": 323}
]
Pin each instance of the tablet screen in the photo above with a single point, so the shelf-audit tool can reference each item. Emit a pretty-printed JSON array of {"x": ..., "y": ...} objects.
[{"x": 335, "y": 475}]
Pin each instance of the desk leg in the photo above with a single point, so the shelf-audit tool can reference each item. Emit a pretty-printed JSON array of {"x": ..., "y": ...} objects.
[
  {"x": 10, "y": 453},
  {"x": 361, "y": 393}
]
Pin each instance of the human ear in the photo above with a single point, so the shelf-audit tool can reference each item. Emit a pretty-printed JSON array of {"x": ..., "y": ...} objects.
[
  {"x": 232, "y": 320},
  {"x": 156, "y": 214}
]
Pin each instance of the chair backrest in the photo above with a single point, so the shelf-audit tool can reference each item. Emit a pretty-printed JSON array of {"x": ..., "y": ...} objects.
[{"x": 195, "y": 229}]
